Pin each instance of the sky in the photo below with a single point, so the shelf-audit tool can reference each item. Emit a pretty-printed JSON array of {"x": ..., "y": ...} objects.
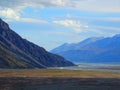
[{"x": 50, "y": 23}]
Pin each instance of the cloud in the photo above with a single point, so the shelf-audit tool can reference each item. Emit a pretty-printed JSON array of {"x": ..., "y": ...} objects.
[
  {"x": 20, "y": 4},
  {"x": 31, "y": 20},
  {"x": 88, "y": 5},
  {"x": 9, "y": 13},
  {"x": 109, "y": 28},
  {"x": 97, "y": 5},
  {"x": 11, "y": 9},
  {"x": 110, "y": 19},
  {"x": 75, "y": 25}
]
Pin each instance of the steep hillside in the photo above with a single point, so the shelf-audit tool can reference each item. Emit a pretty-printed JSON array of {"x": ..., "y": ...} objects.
[
  {"x": 8, "y": 61},
  {"x": 27, "y": 52}
]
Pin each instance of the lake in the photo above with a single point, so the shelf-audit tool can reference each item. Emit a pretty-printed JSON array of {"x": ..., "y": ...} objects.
[{"x": 107, "y": 67}]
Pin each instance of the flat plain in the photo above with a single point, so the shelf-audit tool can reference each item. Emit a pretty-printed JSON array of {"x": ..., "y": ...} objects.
[{"x": 53, "y": 79}]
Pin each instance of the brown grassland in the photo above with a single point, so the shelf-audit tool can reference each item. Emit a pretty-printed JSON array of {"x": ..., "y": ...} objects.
[
  {"x": 57, "y": 73},
  {"x": 53, "y": 79}
]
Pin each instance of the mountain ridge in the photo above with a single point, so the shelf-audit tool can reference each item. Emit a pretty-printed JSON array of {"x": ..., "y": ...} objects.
[
  {"x": 29, "y": 53},
  {"x": 101, "y": 50},
  {"x": 66, "y": 46}
]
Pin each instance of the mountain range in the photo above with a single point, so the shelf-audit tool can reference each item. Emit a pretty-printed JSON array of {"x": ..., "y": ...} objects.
[
  {"x": 16, "y": 52},
  {"x": 95, "y": 49}
]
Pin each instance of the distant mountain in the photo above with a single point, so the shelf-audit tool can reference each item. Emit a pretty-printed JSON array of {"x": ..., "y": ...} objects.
[
  {"x": 75, "y": 46},
  {"x": 92, "y": 50},
  {"x": 16, "y": 52}
]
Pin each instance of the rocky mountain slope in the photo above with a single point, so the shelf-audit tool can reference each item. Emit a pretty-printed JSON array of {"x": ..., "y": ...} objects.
[{"x": 16, "y": 52}]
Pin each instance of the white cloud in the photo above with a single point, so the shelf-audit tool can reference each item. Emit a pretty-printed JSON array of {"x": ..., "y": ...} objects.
[
  {"x": 75, "y": 25},
  {"x": 97, "y": 5},
  {"x": 107, "y": 28},
  {"x": 11, "y": 9},
  {"x": 20, "y": 4},
  {"x": 9, "y": 13},
  {"x": 111, "y": 19},
  {"x": 31, "y": 20},
  {"x": 88, "y": 5},
  {"x": 99, "y": 18}
]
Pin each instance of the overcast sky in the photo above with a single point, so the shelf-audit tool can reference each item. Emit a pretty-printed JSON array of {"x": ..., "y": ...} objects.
[{"x": 50, "y": 23}]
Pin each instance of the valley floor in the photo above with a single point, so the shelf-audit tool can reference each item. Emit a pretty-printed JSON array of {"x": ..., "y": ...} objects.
[{"x": 43, "y": 79}]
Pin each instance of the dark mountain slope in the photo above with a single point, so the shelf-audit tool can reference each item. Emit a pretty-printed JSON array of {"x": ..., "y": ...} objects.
[
  {"x": 27, "y": 52},
  {"x": 8, "y": 61}
]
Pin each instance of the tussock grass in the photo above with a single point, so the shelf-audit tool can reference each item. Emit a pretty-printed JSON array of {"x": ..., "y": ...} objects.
[{"x": 57, "y": 73}]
